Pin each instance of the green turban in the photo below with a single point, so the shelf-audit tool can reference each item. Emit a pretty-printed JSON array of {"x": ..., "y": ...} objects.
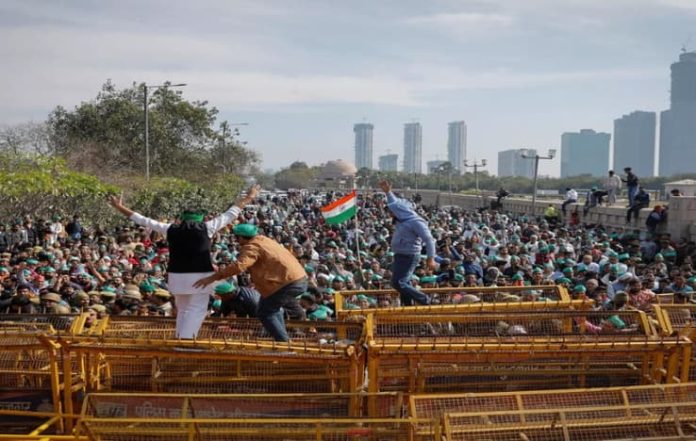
[{"x": 245, "y": 230}]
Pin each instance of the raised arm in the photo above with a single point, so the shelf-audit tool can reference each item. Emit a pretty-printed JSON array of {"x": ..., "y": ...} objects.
[
  {"x": 151, "y": 224},
  {"x": 215, "y": 225}
]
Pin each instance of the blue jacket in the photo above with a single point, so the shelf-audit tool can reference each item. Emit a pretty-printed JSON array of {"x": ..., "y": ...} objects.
[{"x": 411, "y": 231}]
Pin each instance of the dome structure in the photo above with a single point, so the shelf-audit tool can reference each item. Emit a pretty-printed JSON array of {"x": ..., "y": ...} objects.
[{"x": 338, "y": 170}]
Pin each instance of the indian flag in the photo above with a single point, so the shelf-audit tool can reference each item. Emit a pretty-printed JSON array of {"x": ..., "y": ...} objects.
[{"x": 341, "y": 210}]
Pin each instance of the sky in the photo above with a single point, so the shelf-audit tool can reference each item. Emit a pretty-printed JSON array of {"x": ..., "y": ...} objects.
[{"x": 301, "y": 72}]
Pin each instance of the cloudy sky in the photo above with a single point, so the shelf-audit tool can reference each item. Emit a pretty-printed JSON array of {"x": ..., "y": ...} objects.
[{"x": 301, "y": 73}]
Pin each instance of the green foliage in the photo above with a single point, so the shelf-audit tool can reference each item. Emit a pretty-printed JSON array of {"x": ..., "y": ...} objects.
[
  {"x": 106, "y": 136},
  {"x": 168, "y": 197},
  {"x": 515, "y": 184},
  {"x": 43, "y": 187},
  {"x": 298, "y": 175}
]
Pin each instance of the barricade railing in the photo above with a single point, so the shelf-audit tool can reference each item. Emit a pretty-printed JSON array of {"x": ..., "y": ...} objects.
[
  {"x": 31, "y": 378},
  {"x": 488, "y": 351},
  {"x": 349, "y": 303},
  {"x": 541, "y": 415},
  {"x": 250, "y": 417},
  {"x": 230, "y": 356},
  {"x": 679, "y": 319},
  {"x": 663, "y": 422}
]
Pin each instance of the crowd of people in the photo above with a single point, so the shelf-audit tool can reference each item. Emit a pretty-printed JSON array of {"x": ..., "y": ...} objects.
[{"x": 62, "y": 266}]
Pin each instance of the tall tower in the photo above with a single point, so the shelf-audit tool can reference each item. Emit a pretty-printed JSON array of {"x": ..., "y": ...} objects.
[
  {"x": 456, "y": 144},
  {"x": 363, "y": 145},
  {"x": 389, "y": 162},
  {"x": 678, "y": 124},
  {"x": 634, "y": 143},
  {"x": 584, "y": 153},
  {"x": 413, "y": 148}
]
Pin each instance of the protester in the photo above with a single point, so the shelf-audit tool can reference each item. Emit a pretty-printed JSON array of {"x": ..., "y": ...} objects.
[
  {"x": 411, "y": 234},
  {"x": 612, "y": 185},
  {"x": 128, "y": 271},
  {"x": 631, "y": 185},
  {"x": 276, "y": 273},
  {"x": 640, "y": 201},
  {"x": 571, "y": 197},
  {"x": 189, "y": 245}
]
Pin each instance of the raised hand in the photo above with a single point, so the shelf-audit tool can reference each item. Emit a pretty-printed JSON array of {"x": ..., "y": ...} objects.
[{"x": 385, "y": 185}]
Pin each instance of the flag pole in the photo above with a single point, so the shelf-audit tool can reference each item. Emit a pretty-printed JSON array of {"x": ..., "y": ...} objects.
[{"x": 357, "y": 234}]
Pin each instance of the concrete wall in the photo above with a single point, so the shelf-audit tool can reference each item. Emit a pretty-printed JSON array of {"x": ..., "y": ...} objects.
[{"x": 681, "y": 219}]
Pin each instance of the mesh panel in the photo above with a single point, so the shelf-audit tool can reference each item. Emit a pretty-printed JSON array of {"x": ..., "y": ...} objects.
[
  {"x": 240, "y": 406},
  {"x": 433, "y": 406},
  {"x": 246, "y": 430},
  {"x": 221, "y": 329},
  {"x": 137, "y": 365},
  {"x": 37, "y": 322},
  {"x": 378, "y": 299},
  {"x": 600, "y": 423},
  {"x": 512, "y": 326}
]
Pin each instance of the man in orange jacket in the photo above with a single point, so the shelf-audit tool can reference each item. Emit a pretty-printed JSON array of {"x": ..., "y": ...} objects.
[{"x": 276, "y": 274}]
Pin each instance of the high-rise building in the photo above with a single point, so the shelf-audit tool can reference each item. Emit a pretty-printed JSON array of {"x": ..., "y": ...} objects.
[
  {"x": 434, "y": 165},
  {"x": 634, "y": 143},
  {"x": 363, "y": 145},
  {"x": 585, "y": 152},
  {"x": 678, "y": 124},
  {"x": 456, "y": 144},
  {"x": 413, "y": 148},
  {"x": 389, "y": 162},
  {"x": 512, "y": 163}
]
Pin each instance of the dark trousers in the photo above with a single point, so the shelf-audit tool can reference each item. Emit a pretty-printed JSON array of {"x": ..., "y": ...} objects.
[
  {"x": 566, "y": 203},
  {"x": 402, "y": 269},
  {"x": 634, "y": 211},
  {"x": 270, "y": 313}
]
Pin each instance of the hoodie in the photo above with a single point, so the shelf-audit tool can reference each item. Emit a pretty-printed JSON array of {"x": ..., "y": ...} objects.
[{"x": 411, "y": 231}]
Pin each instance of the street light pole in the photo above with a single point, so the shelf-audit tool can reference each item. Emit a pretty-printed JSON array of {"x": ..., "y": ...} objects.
[
  {"x": 147, "y": 123},
  {"x": 536, "y": 158},
  {"x": 475, "y": 165}
]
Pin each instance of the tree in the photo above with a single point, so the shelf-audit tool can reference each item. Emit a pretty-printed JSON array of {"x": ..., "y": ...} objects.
[
  {"x": 106, "y": 135},
  {"x": 43, "y": 187},
  {"x": 29, "y": 137},
  {"x": 298, "y": 175}
]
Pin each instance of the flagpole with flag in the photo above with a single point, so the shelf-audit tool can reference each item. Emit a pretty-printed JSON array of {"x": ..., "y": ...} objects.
[
  {"x": 357, "y": 233},
  {"x": 341, "y": 210}
]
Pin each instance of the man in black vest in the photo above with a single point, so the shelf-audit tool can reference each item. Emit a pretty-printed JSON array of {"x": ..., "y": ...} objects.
[{"x": 189, "y": 257}]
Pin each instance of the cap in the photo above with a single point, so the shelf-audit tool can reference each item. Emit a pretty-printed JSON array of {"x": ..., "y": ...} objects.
[
  {"x": 163, "y": 293},
  {"x": 224, "y": 288},
  {"x": 52, "y": 297},
  {"x": 245, "y": 230}
]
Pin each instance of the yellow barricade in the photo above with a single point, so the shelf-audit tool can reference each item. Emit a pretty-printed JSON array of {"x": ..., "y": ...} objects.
[
  {"x": 472, "y": 299},
  {"x": 140, "y": 354},
  {"x": 31, "y": 378},
  {"x": 493, "y": 351},
  {"x": 248, "y": 417},
  {"x": 662, "y": 412},
  {"x": 679, "y": 319}
]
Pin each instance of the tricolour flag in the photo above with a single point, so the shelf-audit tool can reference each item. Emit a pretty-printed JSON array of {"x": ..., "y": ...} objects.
[{"x": 340, "y": 210}]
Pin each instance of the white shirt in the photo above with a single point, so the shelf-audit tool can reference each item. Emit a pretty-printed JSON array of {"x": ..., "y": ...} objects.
[
  {"x": 213, "y": 225},
  {"x": 182, "y": 283},
  {"x": 571, "y": 195}
]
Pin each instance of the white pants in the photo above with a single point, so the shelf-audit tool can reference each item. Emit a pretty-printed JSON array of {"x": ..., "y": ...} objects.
[
  {"x": 191, "y": 303},
  {"x": 191, "y": 310}
]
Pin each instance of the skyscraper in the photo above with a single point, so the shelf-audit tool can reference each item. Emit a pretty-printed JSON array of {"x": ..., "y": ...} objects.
[
  {"x": 434, "y": 165},
  {"x": 363, "y": 145},
  {"x": 511, "y": 163},
  {"x": 389, "y": 162},
  {"x": 586, "y": 152},
  {"x": 413, "y": 148},
  {"x": 678, "y": 124},
  {"x": 456, "y": 144},
  {"x": 634, "y": 143}
]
